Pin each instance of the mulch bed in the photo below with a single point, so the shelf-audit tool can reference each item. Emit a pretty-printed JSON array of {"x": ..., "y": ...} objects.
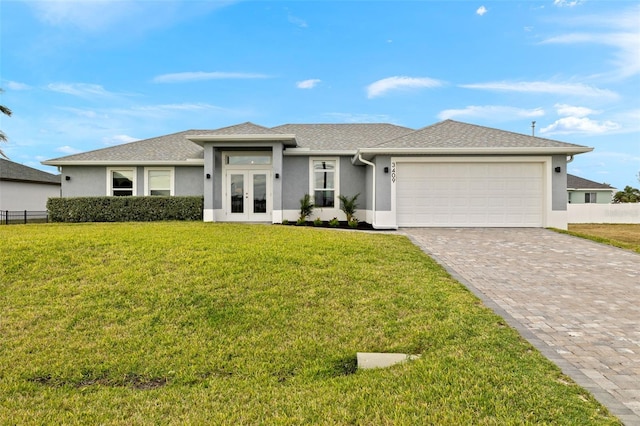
[{"x": 362, "y": 226}]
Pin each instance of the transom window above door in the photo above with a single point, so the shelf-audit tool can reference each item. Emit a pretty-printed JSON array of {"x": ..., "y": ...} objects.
[{"x": 249, "y": 159}]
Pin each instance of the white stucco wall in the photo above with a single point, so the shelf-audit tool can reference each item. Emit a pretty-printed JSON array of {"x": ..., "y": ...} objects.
[{"x": 16, "y": 196}]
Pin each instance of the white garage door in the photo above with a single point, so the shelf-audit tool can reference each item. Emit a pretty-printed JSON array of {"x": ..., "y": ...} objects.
[{"x": 469, "y": 194}]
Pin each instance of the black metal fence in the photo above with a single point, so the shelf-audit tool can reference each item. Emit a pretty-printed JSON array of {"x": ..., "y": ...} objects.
[{"x": 8, "y": 217}]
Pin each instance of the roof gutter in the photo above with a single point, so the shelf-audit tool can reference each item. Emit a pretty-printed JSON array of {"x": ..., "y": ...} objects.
[{"x": 373, "y": 196}]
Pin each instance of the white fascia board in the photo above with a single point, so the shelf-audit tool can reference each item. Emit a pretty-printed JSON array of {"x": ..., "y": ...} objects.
[
  {"x": 308, "y": 152},
  {"x": 372, "y": 152},
  {"x": 202, "y": 139},
  {"x": 190, "y": 162}
]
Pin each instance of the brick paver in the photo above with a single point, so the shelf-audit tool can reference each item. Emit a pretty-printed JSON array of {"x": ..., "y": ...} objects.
[{"x": 577, "y": 301}]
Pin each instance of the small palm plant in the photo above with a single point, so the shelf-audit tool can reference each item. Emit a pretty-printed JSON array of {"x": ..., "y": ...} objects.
[
  {"x": 348, "y": 205},
  {"x": 306, "y": 208}
]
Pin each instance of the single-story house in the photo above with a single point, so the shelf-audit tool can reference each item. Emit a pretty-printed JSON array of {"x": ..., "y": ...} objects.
[
  {"x": 447, "y": 174},
  {"x": 26, "y": 188},
  {"x": 584, "y": 191}
]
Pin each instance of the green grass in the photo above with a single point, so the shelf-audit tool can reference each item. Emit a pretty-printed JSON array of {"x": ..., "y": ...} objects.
[
  {"x": 194, "y": 323},
  {"x": 626, "y": 236}
]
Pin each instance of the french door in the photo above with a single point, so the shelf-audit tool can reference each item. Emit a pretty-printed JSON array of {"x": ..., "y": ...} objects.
[{"x": 248, "y": 195}]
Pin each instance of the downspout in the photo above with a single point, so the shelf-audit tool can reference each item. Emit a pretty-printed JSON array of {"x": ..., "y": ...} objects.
[
  {"x": 569, "y": 159},
  {"x": 373, "y": 196}
]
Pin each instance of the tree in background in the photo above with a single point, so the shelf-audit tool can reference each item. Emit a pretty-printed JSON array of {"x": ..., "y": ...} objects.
[
  {"x": 628, "y": 195},
  {"x": 3, "y": 138}
]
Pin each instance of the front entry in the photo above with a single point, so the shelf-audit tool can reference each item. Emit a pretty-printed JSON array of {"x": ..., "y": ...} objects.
[{"x": 248, "y": 195}]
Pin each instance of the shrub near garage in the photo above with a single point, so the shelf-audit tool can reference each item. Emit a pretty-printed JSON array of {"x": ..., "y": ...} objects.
[{"x": 124, "y": 209}]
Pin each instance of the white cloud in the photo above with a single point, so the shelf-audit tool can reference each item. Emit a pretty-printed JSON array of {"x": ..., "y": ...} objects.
[
  {"x": 299, "y": 22},
  {"x": 79, "y": 89},
  {"x": 94, "y": 16},
  {"x": 491, "y": 111},
  {"x": 622, "y": 33},
  {"x": 182, "y": 77},
  {"x": 574, "y": 111},
  {"x": 481, "y": 10},
  {"x": 566, "y": 3},
  {"x": 572, "y": 89},
  {"x": 308, "y": 84},
  {"x": 584, "y": 125},
  {"x": 68, "y": 150},
  {"x": 118, "y": 139},
  {"x": 14, "y": 85},
  {"x": 380, "y": 87}
]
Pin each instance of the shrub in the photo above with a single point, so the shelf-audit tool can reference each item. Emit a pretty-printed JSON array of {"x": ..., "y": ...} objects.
[
  {"x": 306, "y": 207},
  {"x": 348, "y": 205},
  {"x": 124, "y": 209},
  {"x": 353, "y": 223},
  {"x": 334, "y": 222},
  {"x": 317, "y": 222}
]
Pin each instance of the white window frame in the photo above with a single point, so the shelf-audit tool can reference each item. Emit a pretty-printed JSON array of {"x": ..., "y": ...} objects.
[
  {"x": 336, "y": 180},
  {"x": 171, "y": 170},
  {"x": 110, "y": 171}
]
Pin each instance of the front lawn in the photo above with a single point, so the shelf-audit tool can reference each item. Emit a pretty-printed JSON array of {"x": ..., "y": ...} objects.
[
  {"x": 194, "y": 323},
  {"x": 625, "y": 236}
]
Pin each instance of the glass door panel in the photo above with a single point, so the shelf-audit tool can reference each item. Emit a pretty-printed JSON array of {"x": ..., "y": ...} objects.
[
  {"x": 236, "y": 193},
  {"x": 259, "y": 193}
]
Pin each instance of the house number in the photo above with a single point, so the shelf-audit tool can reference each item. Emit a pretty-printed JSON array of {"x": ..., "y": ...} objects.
[{"x": 393, "y": 171}]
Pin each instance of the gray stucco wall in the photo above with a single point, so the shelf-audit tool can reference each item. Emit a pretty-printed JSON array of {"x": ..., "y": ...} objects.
[
  {"x": 559, "y": 183},
  {"x": 295, "y": 181},
  {"x": 91, "y": 181},
  {"x": 352, "y": 181},
  {"x": 383, "y": 183},
  {"x": 189, "y": 181},
  {"x": 85, "y": 181}
]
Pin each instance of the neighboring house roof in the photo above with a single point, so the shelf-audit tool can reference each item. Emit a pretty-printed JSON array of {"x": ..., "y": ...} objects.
[
  {"x": 445, "y": 137},
  {"x": 10, "y": 171},
  {"x": 578, "y": 183}
]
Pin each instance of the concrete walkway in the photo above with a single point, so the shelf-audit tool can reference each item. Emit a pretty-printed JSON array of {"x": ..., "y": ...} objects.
[{"x": 576, "y": 301}]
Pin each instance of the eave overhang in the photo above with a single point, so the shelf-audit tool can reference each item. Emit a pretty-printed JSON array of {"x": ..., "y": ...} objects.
[
  {"x": 369, "y": 153},
  {"x": 189, "y": 162},
  {"x": 288, "y": 140}
]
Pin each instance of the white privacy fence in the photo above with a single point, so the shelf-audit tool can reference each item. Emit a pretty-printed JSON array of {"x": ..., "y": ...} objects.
[{"x": 604, "y": 213}]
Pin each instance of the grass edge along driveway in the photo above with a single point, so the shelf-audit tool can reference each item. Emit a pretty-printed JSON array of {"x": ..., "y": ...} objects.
[{"x": 174, "y": 323}]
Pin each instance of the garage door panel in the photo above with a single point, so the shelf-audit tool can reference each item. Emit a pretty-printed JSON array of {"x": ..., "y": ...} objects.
[{"x": 469, "y": 194}]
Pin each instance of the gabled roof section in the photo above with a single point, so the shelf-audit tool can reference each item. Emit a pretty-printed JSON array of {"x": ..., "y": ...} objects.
[
  {"x": 247, "y": 128},
  {"x": 10, "y": 171},
  {"x": 454, "y": 134},
  {"x": 338, "y": 137},
  {"x": 576, "y": 182},
  {"x": 171, "y": 148}
]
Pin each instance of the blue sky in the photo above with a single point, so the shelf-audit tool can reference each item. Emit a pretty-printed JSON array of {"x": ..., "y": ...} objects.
[{"x": 83, "y": 75}]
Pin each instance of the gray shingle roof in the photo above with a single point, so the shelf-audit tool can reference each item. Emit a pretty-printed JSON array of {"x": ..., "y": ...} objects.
[
  {"x": 342, "y": 136},
  {"x": 447, "y": 134},
  {"x": 173, "y": 147},
  {"x": 454, "y": 134},
  {"x": 576, "y": 182},
  {"x": 17, "y": 172}
]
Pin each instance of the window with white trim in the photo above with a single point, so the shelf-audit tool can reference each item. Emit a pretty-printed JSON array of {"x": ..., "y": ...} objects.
[
  {"x": 121, "y": 182},
  {"x": 324, "y": 181},
  {"x": 158, "y": 181},
  {"x": 590, "y": 197}
]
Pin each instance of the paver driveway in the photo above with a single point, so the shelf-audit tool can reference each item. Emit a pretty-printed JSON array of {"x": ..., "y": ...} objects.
[{"x": 577, "y": 301}]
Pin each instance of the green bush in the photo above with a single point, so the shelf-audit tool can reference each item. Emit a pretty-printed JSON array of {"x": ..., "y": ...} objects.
[{"x": 124, "y": 209}]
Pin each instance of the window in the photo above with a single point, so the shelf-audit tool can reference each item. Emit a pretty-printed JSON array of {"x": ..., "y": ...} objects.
[
  {"x": 590, "y": 197},
  {"x": 324, "y": 182},
  {"x": 158, "y": 181},
  {"x": 249, "y": 159},
  {"x": 121, "y": 182}
]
